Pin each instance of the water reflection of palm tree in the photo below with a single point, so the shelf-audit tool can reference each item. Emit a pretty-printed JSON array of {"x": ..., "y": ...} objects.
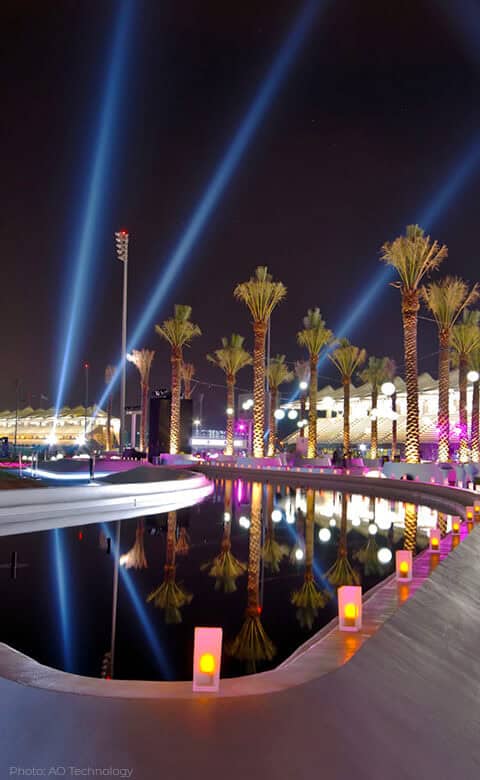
[
  {"x": 252, "y": 643},
  {"x": 225, "y": 567},
  {"x": 183, "y": 542},
  {"x": 272, "y": 552},
  {"x": 410, "y": 539},
  {"x": 135, "y": 558},
  {"x": 368, "y": 555},
  {"x": 308, "y": 599},
  {"x": 342, "y": 573},
  {"x": 170, "y": 596},
  {"x": 442, "y": 524}
]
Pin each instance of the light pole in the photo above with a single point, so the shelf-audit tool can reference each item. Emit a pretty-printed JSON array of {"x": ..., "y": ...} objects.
[
  {"x": 121, "y": 240},
  {"x": 388, "y": 389},
  {"x": 86, "y": 366}
]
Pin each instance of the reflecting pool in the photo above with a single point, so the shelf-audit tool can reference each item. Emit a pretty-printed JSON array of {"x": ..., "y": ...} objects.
[{"x": 261, "y": 561}]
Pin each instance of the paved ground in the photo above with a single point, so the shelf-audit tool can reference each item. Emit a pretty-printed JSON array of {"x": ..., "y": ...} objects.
[{"x": 405, "y": 706}]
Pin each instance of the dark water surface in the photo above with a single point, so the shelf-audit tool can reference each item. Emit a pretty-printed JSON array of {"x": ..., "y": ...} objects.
[{"x": 58, "y": 609}]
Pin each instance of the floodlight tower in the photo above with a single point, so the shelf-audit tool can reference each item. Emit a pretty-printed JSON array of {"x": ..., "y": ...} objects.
[{"x": 121, "y": 240}]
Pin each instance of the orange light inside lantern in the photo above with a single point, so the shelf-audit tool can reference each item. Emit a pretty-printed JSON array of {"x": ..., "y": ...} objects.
[
  {"x": 434, "y": 542},
  {"x": 350, "y": 611},
  {"x": 207, "y": 663},
  {"x": 469, "y": 514},
  {"x": 455, "y": 527},
  {"x": 403, "y": 568}
]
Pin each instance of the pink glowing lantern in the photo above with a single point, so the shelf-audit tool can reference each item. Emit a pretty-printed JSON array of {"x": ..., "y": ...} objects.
[
  {"x": 207, "y": 656},
  {"x": 470, "y": 513},
  {"x": 403, "y": 565},
  {"x": 455, "y": 526},
  {"x": 350, "y": 608},
  {"x": 435, "y": 537}
]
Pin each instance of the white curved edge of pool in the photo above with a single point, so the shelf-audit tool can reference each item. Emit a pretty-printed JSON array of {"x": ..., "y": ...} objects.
[{"x": 34, "y": 509}]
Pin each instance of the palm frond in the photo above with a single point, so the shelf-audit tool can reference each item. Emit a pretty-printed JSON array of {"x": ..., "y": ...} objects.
[
  {"x": 413, "y": 256},
  {"x": 347, "y": 358},
  {"x": 260, "y": 294},
  {"x": 232, "y": 356}
]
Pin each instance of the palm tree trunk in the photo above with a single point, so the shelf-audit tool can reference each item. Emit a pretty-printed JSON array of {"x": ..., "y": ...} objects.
[
  {"x": 374, "y": 431},
  {"x": 187, "y": 387},
  {"x": 229, "y": 449},
  {"x": 463, "y": 420},
  {"x": 254, "y": 548},
  {"x": 410, "y": 537},
  {"x": 443, "y": 385},
  {"x": 410, "y": 307},
  {"x": 474, "y": 437},
  {"x": 143, "y": 416},
  {"x": 312, "y": 411},
  {"x": 259, "y": 333},
  {"x": 272, "y": 436},
  {"x": 176, "y": 361},
  {"x": 346, "y": 416}
]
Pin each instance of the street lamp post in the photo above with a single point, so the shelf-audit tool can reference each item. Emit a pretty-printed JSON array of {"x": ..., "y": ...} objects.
[
  {"x": 86, "y": 366},
  {"x": 121, "y": 240}
]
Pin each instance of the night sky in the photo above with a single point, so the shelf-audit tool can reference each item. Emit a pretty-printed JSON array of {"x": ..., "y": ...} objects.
[{"x": 379, "y": 107}]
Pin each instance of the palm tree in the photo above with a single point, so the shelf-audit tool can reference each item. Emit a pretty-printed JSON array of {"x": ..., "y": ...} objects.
[
  {"x": 302, "y": 372},
  {"x": 135, "y": 558},
  {"x": 179, "y": 330},
  {"x": 446, "y": 300},
  {"x": 465, "y": 343},
  {"x": 474, "y": 365},
  {"x": 378, "y": 371},
  {"x": 277, "y": 374},
  {"x": 109, "y": 372},
  {"x": 272, "y": 552},
  {"x": 170, "y": 596},
  {"x": 314, "y": 336},
  {"x": 142, "y": 359},
  {"x": 308, "y": 599},
  {"x": 188, "y": 372},
  {"x": 342, "y": 573},
  {"x": 231, "y": 358},
  {"x": 252, "y": 643},
  {"x": 347, "y": 360},
  {"x": 225, "y": 568},
  {"x": 413, "y": 256},
  {"x": 260, "y": 294}
]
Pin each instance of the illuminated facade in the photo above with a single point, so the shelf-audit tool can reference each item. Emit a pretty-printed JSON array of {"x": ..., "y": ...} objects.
[
  {"x": 35, "y": 426},
  {"x": 330, "y": 413}
]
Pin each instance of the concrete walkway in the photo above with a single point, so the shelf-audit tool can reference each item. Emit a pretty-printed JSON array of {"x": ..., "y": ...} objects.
[{"x": 406, "y": 705}]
